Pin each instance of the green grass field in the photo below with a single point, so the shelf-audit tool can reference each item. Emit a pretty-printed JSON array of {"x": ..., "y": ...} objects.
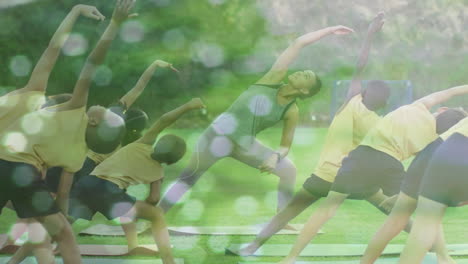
[{"x": 234, "y": 194}]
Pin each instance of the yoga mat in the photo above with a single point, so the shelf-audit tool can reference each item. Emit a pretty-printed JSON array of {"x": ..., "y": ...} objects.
[
  {"x": 335, "y": 250},
  {"x": 118, "y": 250},
  {"x": 429, "y": 259},
  {"x": 101, "y": 250},
  {"x": 230, "y": 230},
  {"x": 31, "y": 260},
  {"x": 108, "y": 230},
  {"x": 112, "y": 230}
]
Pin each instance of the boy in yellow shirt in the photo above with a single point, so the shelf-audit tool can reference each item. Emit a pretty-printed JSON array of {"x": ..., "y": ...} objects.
[
  {"x": 104, "y": 190},
  {"x": 349, "y": 126},
  {"x": 36, "y": 141},
  {"x": 135, "y": 122},
  {"x": 407, "y": 199},
  {"x": 377, "y": 160}
]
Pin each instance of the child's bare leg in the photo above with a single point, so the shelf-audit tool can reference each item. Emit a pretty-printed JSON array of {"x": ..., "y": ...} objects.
[
  {"x": 424, "y": 234},
  {"x": 39, "y": 244},
  {"x": 298, "y": 204},
  {"x": 394, "y": 224},
  {"x": 60, "y": 230},
  {"x": 158, "y": 225},
  {"x": 322, "y": 215},
  {"x": 440, "y": 247},
  {"x": 130, "y": 230}
]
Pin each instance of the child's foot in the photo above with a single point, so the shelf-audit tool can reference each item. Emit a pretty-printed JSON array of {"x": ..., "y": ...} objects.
[
  {"x": 290, "y": 227},
  {"x": 142, "y": 251}
]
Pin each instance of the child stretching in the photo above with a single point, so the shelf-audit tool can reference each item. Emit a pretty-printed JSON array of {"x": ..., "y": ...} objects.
[{"x": 104, "y": 190}]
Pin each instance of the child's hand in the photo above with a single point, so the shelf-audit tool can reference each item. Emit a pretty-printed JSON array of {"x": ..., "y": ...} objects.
[
  {"x": 196, "y": 103},
  {"x": 269, "y": 164},
  {"x": 377, "y": 23},
  {"x": 89, "y": 11},
  {"x": 163, "y": 64},
  {"x": 122, "y": 11}
]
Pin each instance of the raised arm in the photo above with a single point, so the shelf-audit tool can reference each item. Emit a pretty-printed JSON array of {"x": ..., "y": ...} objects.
[
  {"x": 129, "y": 98},
  {"x": 277, "y": 73},
  {"x": 40, "y": 75},
  {"x": 80, "y": 92},
  {"x": 355, "y": 86},
  {"x": 168, "y": 119},
  {"x": 291, "y": 120},
  {"x": 439, "y": 97}
]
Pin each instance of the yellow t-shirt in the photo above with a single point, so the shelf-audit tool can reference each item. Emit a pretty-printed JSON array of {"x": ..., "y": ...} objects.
[
  {"x": 403, "y": 132},
  {"x": 130, "y": 165},
  {"x": 98, "y": 158},
  {"x": 47, "y": 138},
  {"x": 14, "y": 105},
  {"x": 345, "y": 133},
  {"x": 460, "y": 127}
]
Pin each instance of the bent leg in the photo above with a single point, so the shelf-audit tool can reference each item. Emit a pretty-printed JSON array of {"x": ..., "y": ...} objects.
[
  {"x": 426, "y": 228},
  {"x": 38, "y": 244},
  {"x": 130, "y": 230},
  {"x": 159, "y": 228},
  {"x": 378, "y": 199},
  {"x": 285, "y": 169},
  {"x": 60, "y": 230},
  {"x": 394, "y": 224}
]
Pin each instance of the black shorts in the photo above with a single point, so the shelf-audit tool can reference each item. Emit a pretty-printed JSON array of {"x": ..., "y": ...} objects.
[
  {"x": 53, "y": 174},
  {"x": 21, "y": 184},
  {"x": 414, "y": 175},
  {"x": 446, "y": 179},
  {"x": 317, "y": 186},
  {"x": 366, "y": 170},
  {"x": 92, "y": 194}
]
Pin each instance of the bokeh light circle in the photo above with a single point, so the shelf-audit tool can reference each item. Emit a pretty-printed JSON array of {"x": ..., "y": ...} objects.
[
  {"x": 132, "y": 31},
  {"x": 246, "y": 206},
  {"x": 20, "y": 65},
  {"x": 75, "y": 45}
]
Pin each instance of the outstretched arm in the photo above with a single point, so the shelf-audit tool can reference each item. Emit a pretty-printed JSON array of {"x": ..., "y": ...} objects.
[
  {"x": 129, "y": 98},
  {"x": 279, "y": 69},
  {"x": 40, "y": 75},
  {"x": 439, "y": 97},
  {"x": 355, "y": 86},
  {"x": 168, "y": 119},
  {"x": 80, "y": 92}
]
